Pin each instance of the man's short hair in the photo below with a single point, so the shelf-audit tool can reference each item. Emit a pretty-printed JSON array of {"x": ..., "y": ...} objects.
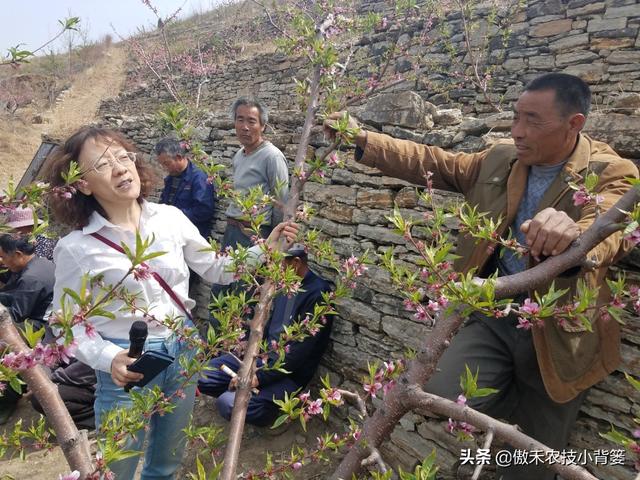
[
  {"x": 250, "y": 102},
  {"x": 10, "y": 244},
  {"x": 572, "y": 93},
  {"x": 171, "y": 146}
]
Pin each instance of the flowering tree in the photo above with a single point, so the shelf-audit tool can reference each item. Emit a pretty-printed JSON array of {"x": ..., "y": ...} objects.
[{"x": 312, "y": 30}]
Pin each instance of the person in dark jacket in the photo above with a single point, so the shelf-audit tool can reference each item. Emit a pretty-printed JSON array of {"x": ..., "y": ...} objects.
[
  {"x": 186, "y": 187},
  {"x": 76, "y": 384},
  {"x": 29, "y": 289},
  {"x": 27, "y": 296},
  {"x": 301, "y": 358}
]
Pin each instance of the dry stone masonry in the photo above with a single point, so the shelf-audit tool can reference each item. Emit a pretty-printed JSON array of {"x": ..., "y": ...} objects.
[{"x": 597, "y": 41}]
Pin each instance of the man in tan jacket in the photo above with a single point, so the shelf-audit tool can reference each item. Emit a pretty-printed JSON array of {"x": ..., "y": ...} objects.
[{"x": 542, "y": 373}]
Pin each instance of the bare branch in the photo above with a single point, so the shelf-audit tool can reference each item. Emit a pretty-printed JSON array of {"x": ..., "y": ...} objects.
[
  {"x": 271, "y": 21},
  {"x": 538, "y": 276},
  {"x": 362, "y": 407},
  {"x": 419, "y": 400},
  {"x": 380, "y": 425},
  {"x": 243, "y": 393},
  {"x": 375, "y": 458},
  {"x": 486, "y": 446}
]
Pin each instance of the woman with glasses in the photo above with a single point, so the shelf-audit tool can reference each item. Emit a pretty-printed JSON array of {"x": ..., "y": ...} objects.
[{"x": 107, "y": 210}]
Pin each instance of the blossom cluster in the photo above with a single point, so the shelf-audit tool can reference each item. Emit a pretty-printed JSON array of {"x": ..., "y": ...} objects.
[
  {"x": 583, "y": 197},
  {"x": 384, "y": 379},
  {"x": 633, "y": 236},
  {"x": 464, "y": 430},
  {"x": 47, "y": 355},
  {"x": 310, "y": 407},
  {"x": 353, "y": 267}
]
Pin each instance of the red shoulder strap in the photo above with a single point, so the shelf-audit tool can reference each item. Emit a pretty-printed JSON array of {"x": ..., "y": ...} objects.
[{"x": 165, "y": 286}]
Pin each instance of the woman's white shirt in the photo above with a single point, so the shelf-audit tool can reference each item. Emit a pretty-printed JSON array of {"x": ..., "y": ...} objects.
[{"x": 80, "y": 253}]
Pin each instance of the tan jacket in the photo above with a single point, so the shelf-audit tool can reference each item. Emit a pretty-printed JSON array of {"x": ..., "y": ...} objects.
[{"x": 571, "y": 359}]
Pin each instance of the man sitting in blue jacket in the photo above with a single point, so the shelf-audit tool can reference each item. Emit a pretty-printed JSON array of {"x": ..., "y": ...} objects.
[
  {"x": 186, "y": 186},
  {"x": 301, "y": 358}
]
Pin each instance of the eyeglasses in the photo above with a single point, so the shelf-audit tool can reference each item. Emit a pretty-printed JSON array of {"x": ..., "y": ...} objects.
[{"x": 104, "y": 164}]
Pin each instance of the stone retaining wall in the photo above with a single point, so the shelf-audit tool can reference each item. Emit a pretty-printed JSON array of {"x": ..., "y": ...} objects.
[{"x": 596, "y": 40}]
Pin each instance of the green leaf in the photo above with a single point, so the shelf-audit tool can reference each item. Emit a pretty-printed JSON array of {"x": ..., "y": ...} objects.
[
  {"x": 303, "y": 422},
  {"x": 280, "y": 420},
  {"x": 16, "y": 384},
  {"x": 73, "y": 294},
  {"x": 634, "y": 383},
  {"x": 485, "y": 392},
  {"x": 590, "y": 181},
  {"x": 202, "y": 475},
  {"x": 32, "y": 337},
  {"x": 631, "y": 227},
  {"x": 616, "y": 437}
]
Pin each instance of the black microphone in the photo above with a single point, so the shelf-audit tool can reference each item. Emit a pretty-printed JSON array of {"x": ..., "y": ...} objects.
[{"x": 137, "y": 337}]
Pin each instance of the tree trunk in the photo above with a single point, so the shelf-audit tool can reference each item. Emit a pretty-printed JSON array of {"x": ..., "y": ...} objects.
[{"x": 74, "y": 444}]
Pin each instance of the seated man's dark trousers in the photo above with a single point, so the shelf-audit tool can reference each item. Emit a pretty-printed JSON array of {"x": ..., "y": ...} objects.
[
  {"x": 506, "y": 360},
  {"x": 76, "y": 384},
  {"x": 261, "y": 410}
]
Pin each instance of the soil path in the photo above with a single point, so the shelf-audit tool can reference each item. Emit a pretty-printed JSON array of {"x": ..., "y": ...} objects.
[
  {"x": 49, "y": 465},
  {"x": 20, "y": 138}
]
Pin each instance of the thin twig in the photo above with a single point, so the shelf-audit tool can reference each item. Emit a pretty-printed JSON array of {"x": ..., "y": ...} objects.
[
  {"x": 474, "y": 62},
  {"x": 486, "y": 446},
  {"x": 33, "y": 52}
]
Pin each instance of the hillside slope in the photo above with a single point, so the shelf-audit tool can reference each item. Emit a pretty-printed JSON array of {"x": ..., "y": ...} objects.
[{"x": 20, "y": 136}]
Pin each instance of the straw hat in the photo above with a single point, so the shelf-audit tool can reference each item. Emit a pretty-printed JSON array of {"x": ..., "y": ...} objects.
[{"x": 20, "y": 217}]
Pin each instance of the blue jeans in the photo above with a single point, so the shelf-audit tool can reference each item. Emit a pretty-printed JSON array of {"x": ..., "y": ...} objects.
[{"x": 166, "y": 439}]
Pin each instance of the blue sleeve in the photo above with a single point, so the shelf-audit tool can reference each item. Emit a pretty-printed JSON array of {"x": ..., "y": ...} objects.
[
  {"x": 202, "y": 204},
  {"x": 164, "y": 196},
  {"x": 300, "y": 353}
]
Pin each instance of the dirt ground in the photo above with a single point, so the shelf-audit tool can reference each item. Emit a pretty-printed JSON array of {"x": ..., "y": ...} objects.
[
  {"x": 48, "y": 465},
  {"x": 20, "y": 136}
]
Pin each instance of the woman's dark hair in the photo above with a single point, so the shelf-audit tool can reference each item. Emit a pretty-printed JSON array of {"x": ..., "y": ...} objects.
[
  {"x": 11, "y": 244},
  {"x": 75, "y": 211}
]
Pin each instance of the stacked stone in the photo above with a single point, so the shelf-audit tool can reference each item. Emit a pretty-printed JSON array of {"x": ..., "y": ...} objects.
[
  {"x": 352, "y": 207},
  {"x": 595, "y": 40}
]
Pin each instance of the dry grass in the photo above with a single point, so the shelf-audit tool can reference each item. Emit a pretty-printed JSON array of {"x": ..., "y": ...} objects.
[{"x": 20, "y": 138}]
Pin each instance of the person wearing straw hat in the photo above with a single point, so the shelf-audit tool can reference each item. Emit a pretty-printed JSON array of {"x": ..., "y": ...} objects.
[{"x": 21, "y": 221}]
